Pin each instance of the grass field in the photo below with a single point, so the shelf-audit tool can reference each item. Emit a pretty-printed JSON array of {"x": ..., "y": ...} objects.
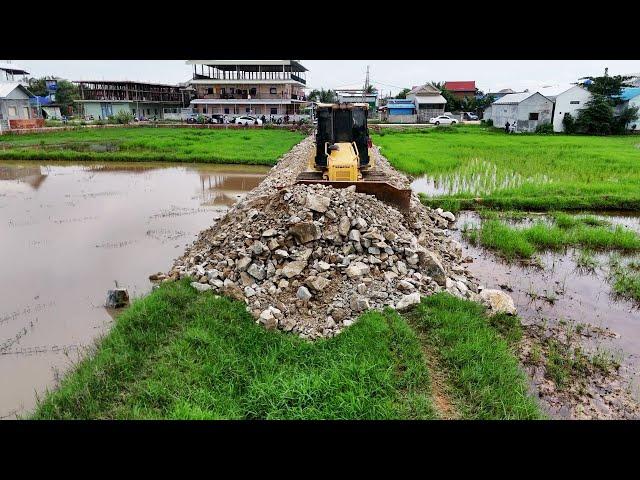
[
  {"x": 557, "y": 232},
  {"x": 251, "y": 146},
  {"x": 179, "y": 354},
  {"x": 523, "y": 171}
]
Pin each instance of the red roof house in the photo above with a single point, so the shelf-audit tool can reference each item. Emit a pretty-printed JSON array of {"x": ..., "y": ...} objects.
[{"x": 461, "y": 89}]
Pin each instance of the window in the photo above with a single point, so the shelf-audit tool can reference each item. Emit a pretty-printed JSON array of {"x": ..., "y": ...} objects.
[
  {"x": 274, "y": 111},
  {"x": 533, "y": 116},
  {"x": 204, "y": 109},
  {"x": 252, "y": 92},
  {"x": 273, "y": 91},
  {"x": 226, "y": 111},
  {"x": 209, "y": 91},
  {"x": 247, "y": 110},
  {"x": 575, "y": 102},
  {"x": 223, "y": 91},
  {"x": 13, "y": 111}
]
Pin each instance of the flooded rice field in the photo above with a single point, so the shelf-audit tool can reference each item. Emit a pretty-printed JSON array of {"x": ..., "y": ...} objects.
[
  {"x": 559, "y": 290},
  {"x": 477, "y": 178},
  {"x": 70, "y": 232}
]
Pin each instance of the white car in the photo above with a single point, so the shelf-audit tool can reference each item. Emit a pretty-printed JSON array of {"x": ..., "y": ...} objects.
[
  {"x": 247, "y": 120},
  {"x": 443, "y": 120}
]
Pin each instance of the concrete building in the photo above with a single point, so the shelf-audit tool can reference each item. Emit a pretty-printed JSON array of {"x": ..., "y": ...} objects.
[
  {"x": 249, "y": 87},
  {"x": 15, "y": 107},
  {"x": 466, "y": 89},
  {"x": 428, "y": 102},
  {"x": 568, "y": 101},
  {"x": 528, "y": 110},
  {"x": 101, "y": 99}
]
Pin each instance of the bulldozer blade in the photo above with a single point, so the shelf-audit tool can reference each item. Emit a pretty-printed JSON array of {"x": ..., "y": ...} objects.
[{"x": 383, "y": 191}]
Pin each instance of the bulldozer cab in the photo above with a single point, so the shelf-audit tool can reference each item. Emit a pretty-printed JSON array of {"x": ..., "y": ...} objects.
[{"x": 342, "y": 123}]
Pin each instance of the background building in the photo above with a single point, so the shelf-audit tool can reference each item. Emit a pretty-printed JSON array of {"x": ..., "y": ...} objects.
[
  {"x": 528, "y": 109},
  {"x": 10, "y": 72},
  {"x": 428, "y": 102},
  {"x": 104, "y": 98},
  {"x": 358, "y": 95},
  {"x": 462, "y": 89},
  {"x": 399, "y": 110},
  {"x": 568, "y": 101},
  {"x": 249, "y": 87},
  {"x": 15, "y": 107}
]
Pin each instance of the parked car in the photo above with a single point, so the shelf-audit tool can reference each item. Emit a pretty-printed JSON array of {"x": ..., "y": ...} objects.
[
  {"x": 247, "y": 120},
  {"x": 443, "y": 120},
  {"x": 469, "y": 116}
]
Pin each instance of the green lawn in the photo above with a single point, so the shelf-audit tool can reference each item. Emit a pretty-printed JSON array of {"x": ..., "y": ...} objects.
[
  {"x": 179, "y": 354},
  {"x": 250, "y": 146},
  {"x": 523, "y": 171}
]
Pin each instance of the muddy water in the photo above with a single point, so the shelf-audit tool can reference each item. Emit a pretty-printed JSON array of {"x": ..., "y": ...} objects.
[
  {"x": 69, "y": 232},
  {"x": 562, "y": 291}
]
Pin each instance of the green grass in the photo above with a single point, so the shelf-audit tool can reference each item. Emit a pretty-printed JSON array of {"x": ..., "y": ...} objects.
[
  {"x": 519, "y": 172},
  {"x": 561, "y": 231},
  {"x": 176, "y": 354},
  {"x": 481, "y": 368},
  {"x": 625, "y": 278},
  {"x": 251, "y": 146}
]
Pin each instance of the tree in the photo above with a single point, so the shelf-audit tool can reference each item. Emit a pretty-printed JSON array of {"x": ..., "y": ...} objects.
[
  {"x": 599, "y": 115},
  {"x": 66, "y": 92},
  {"x": 403, "y": 93},
  {"x": 323, "y": 96},
  {"x": 609, "y": 87},
  {"x": 596, "y": 118}
]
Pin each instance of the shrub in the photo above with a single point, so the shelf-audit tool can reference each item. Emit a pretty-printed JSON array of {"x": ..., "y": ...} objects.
[
  {"x": 489, "y": 122},
  {"x": 544, "y": 128},
  {"x": 569, "y": 123},
  {"x": 123, "y": 117}
]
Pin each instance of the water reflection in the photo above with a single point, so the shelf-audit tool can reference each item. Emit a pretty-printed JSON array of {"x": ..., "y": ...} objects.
[{"x": 65, "y": 241}]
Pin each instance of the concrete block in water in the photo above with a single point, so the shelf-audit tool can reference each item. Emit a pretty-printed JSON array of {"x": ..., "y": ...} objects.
[{"x": 117, "y": 298}]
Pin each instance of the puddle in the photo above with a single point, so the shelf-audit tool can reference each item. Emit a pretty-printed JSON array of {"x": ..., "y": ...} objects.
[
  {"x": 69, "y": 231},
  {"x": 562, "y": 291},
  {"x": 476, "y": 178}
]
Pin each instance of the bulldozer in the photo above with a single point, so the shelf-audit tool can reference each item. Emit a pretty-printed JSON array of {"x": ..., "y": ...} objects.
[{"x": 343, "y": 157}]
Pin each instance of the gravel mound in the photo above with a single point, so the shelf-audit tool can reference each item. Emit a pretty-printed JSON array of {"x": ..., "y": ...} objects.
[{"x": 309, "y": 259}]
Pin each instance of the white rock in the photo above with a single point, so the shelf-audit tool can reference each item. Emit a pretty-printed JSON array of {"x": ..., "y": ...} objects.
[
  {"x": 317, "y": 203},
  {"x": 201, "y": 287},
  {"x": 303, "y": 293},
  {"x": 498, "y": 301},
  {"x": 293, "y": 269},
  {"x": 408, "y": 300},
  {"x": 357, "y": 269}
]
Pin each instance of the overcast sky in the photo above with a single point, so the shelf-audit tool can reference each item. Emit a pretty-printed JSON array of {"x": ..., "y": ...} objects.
[{"x": 386, "y": 75}]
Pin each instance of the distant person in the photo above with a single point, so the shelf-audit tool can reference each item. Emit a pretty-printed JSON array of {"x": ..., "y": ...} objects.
[
  {"x": 514, "y": 126},
  {"x": 506, "y": 127},
  {"x": 264, "y": 119}
]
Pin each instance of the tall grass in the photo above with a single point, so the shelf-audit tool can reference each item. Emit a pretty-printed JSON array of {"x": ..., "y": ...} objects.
[
  {"x": 523, "y": 172},
  {"x": 560, "y": 232},
  {"x": 480, "y": 366},
  {"x": 254, "y": 146},
  {"x": 176, "y": 354}
]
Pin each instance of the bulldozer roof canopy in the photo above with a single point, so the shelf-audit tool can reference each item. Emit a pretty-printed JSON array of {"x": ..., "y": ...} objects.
[{"x": 343, "y": 105}]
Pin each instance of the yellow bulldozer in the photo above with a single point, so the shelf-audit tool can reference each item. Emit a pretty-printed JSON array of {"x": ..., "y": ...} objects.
[{"x": 343, "y": 158}]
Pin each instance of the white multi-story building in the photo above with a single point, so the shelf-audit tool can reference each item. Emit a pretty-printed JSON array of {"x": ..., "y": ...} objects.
[{"x": 273, "y": 88}]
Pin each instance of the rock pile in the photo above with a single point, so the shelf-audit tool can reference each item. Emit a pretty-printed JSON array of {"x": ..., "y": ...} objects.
[{"x": 309, "y": 259}]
